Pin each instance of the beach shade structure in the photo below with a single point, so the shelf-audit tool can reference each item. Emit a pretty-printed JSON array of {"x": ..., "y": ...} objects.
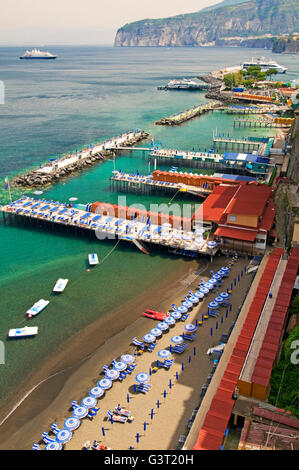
[
  {"x": 211, "y": 244},
  {"x": 187, "y": 304},
  {"x": 162, "y": 326},
  {"x": 177, "y": 339},
  {"x": 105, "y": 383},
  {"x": 190, "y": 328},
  {"x": 120, "y": 366},
  {"x": 182, "y": 309},
  {"x": 149, "y": 338},
  {"x": 208, "y": 285},
  {"x": 224, "y": 295},
  {"x": 80, "y": 412},
  {"x": 64, "y": 436},
  {"x": 54, "y": 446},
  {"x": 176, "y": 315},
  {"x": 170, "y": 320},
  {"x": 219, "y": 299},
  {"x": 127, "y": 358},
  {"x": 164, "y": 354},
  {"x": 225, "y": 269},
  {"x": 204, "y": 290},
  {"x": 72, "y": 423},
  {"x": 156, "y": 332},
  {"x": 142, "y": 377},
  {"x": 199, "y": 295},
  {"x": 212, "y": 305},
  {"x": 89, "y": 402},
  {"x": 111, "y": 374},
  {"x": 193, "y": 299},
  {"x": 73, "y": 199},
  {"x": 96, "y": 392}
]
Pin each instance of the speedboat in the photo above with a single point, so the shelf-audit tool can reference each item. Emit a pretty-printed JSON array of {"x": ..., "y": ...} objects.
[
  {"x": 93, "y": 259},
  {"x": 60, "y": 285},
  {"x": 23, "y": 332},
  {"x": 37, "y": 308}
]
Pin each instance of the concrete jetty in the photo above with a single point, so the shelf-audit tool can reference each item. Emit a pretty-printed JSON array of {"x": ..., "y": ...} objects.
[
  {"x": 67, "y": 165},
  {"x": 177, "y": 119}
]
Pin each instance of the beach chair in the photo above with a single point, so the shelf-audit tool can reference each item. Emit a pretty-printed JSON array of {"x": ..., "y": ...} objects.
[
  {"x": 131, "y": 367},
  {"x": 47, "y": 439},
  {"x": 141, "y": 388},
  {"x": 189, "y": 337},
  {"x": 54, "y": 428},
  {"x": 123, "y": 375},
  {"x": 213, "y": 313},
  {"x": 74, "y": 404},
  {"x": 138, "y": 343},
  {"x": 179, "y": 348},
  {"x": 150, "y": 347},
  {"x": 93, "y": 412},
  {"x": 105, "y": 367},
  {"x": 117, "y": 418},
  {"x": 36, "y": 446},
  {"x": 184, "y": 316},
  {"x": 167, "y": 363}
]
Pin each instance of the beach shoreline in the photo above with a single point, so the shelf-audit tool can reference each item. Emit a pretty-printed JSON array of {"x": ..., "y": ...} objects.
[{"x": 41, "y": 388}]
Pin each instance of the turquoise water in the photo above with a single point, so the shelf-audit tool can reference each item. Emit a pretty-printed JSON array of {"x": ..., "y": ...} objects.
[{"x": 87, "y": 95}]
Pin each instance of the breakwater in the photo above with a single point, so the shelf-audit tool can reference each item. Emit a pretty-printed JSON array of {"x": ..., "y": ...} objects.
[
  {"x": 59, "y": 168},
  {"x": 180, "y": 118}
]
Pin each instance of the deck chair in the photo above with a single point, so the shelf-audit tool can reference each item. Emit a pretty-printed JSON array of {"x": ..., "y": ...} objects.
[
  {"x": 74, "y": 404},
  {"x": 118, "y": 419},
  {"x": 138, "y": 343},
  {"x": 184, "y": 316},
  {"x": 47, "y": 439},
  {"x": 141, "y": 388},
  {"x": 213, "y": 313},
  {"x": 54, "y": 428},
  {"x": 130, "y": 368},
  {"x": 167, "y": 363},
  {"x": 189, "y": 337}
]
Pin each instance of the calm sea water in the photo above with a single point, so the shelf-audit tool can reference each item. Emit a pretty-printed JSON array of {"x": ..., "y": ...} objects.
[{"x": 53, "y": 107}]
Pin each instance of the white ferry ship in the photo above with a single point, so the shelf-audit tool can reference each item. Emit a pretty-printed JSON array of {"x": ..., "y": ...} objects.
[
  {"x": 265, "y": 65},
  {"x": 37, "y": 54}
]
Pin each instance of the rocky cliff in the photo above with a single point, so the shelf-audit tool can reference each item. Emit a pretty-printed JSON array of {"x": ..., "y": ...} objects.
[
  {"x": 254, "y": 19},
  {"x": 286, "y": 45}
]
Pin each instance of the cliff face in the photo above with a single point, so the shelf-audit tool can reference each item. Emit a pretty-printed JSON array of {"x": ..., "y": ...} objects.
[
  {"x": 254, "y": 18},
  {"x": 287, "y": 46}
]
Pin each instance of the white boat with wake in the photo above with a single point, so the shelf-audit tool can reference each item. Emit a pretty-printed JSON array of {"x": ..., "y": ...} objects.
[
  {"x": 24, "y": 332},
  {"x": 37, "y": 54},
  {"x": 60, "y": 285},
  {"x": 93, "y": 259},
  {"x": 37, "y": 308}
]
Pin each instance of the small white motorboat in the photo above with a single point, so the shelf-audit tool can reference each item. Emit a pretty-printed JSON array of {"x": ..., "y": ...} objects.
[
  {"x": 60, "y": 285},
  {"x": 23, "y": 332},
  {"x": 93, "y": 259},
  {"x": 37, "y": 308}
]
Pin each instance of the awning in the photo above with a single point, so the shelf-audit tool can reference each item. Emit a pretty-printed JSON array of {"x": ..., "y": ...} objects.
[{"x": 238, "y": 234}]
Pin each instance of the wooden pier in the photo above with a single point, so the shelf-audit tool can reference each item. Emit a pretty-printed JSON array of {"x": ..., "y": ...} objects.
[
  {"x": 142, "y": 234},
  {"x": 260, "y": 123},
  {"x": 229, "y": 142}
]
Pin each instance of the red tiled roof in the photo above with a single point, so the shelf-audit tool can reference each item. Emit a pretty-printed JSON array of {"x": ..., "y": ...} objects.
[
  {"x": 268, "y": 216},
  {"x": 213, "y": 207},
  {"x": 238, "y": 234},
  {"x": 250, "y": 200}
]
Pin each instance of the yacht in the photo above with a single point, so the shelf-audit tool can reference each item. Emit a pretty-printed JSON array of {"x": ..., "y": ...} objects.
[
  {"x": 184, "y": 84},
  {"x": 265, "y": 65},
  {"x": 93, "y": 259},
  {"x": 37, "y": 54},
  {"x": 60, "y": 285}
]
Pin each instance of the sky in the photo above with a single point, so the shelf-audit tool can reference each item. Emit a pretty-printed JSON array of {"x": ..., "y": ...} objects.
[{"x": 38, "y": 22}]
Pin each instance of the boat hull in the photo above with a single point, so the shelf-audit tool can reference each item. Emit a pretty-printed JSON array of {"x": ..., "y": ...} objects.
[{"x": 38, "y": 58}]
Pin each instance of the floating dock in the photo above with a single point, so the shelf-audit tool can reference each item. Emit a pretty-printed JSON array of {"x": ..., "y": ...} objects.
[
  {"x": 143, "y": 234},
  {"x": 177, "y": 119}
]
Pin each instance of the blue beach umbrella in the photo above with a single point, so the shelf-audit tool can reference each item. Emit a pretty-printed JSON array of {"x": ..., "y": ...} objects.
[
  {"x": 213, "y": 305},
  {"x": 225, "y": 268},
  {"x": 64, "y": 436},
  {"x": 156, "y": 332},
  {"x": 111, "y": 374},
  {"x": 199, "y": 295},
  {"x": 89, "y": 402},
  {"x": 127, "y": 358},
  {"x": 187, "y": 304},
  {"x": 177, "y": 339},
  {"x": 182, "y": 309},
  {"x": 96, "y": 392},
  {"x": 71, "y": 423},
  {"x": 53, "y": 446},
  {"x": 149, "y": 338},
  {"x": 194, "y": 299},
  {"x": 120, "y": 366},
  {"x": 190, "y": 328},
  {"x": 142, "y": 377},
  {"x": 170, "y": 320},
  {"x": 224, "y": 295},
  {"x": 217, "y": 277},
  {"x": 164, "y": 353},
  {"x": 204, "y": 290},
  {"x": 219, "y": 299},
  {"x": 176, "y": 315},
  {"x": 80, "y": 412},
  {"x": 211, "y": 244},
  {"x": 162, "y": 326},
  {"x": 105, "y": 383}
]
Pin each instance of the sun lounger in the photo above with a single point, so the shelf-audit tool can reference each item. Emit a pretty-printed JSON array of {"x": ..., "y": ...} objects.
[
  {"x": 213, "y": 313},
  {"x": 74, "y": 404},
  {"x": 189, "y": 337},
  {"x": 118, "y": 419},
  {"x": 167, "y": 363},
  {"x": 130, "y": 368},
  {"x": 138, "y": 343},
  {"x": 54, "y": 428},
  {"x": 118, "y": 410},
  {"x": 36, "y": 446},
  {"x": 179, "y": 348},
  {"x": 184, "y": 316},
  {"x": 47, "y": 439}
]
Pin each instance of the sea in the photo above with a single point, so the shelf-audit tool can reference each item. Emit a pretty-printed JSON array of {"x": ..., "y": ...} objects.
[{"x": 89, "y": 94}]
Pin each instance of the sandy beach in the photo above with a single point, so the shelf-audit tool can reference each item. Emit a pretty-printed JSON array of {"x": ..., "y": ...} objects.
[{"x": 83, "y": 368}]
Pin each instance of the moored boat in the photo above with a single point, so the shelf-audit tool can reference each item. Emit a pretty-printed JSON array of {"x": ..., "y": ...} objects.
[
  {"x": 24, "y": 332},
  {"x": 93, "y": 259},
  {"x": 60, "y": 285},
  {"x": 37, "y": 308}
]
